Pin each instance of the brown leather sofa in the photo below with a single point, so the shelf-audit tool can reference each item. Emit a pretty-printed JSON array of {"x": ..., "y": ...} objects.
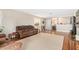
[{"x": 26, "y": 30}]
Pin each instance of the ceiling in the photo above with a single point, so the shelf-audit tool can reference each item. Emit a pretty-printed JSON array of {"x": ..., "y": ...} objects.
[{"x": 50, "y": 12}]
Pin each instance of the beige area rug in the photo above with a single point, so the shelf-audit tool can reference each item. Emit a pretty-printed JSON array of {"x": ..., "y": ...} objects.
[{"x": 43, "y": 41}]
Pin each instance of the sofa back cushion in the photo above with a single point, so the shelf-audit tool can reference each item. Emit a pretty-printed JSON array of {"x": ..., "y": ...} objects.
[{"x": 24, "y": 27}]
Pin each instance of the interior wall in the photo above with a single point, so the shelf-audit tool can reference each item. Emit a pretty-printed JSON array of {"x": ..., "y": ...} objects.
[
  {"x": 12, "y": 18},
  {"x": 1, "y": 16}
]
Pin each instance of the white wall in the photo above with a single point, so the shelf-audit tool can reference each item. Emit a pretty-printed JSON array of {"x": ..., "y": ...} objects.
[
  {"x": 1, "y": 17},
  {"x": 12, "y": 18}
]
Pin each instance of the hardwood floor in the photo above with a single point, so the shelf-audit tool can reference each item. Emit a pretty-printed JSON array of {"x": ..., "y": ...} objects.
[
  {"x": 77, "y": 45},
  {"x": 68, "y": 43}
]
